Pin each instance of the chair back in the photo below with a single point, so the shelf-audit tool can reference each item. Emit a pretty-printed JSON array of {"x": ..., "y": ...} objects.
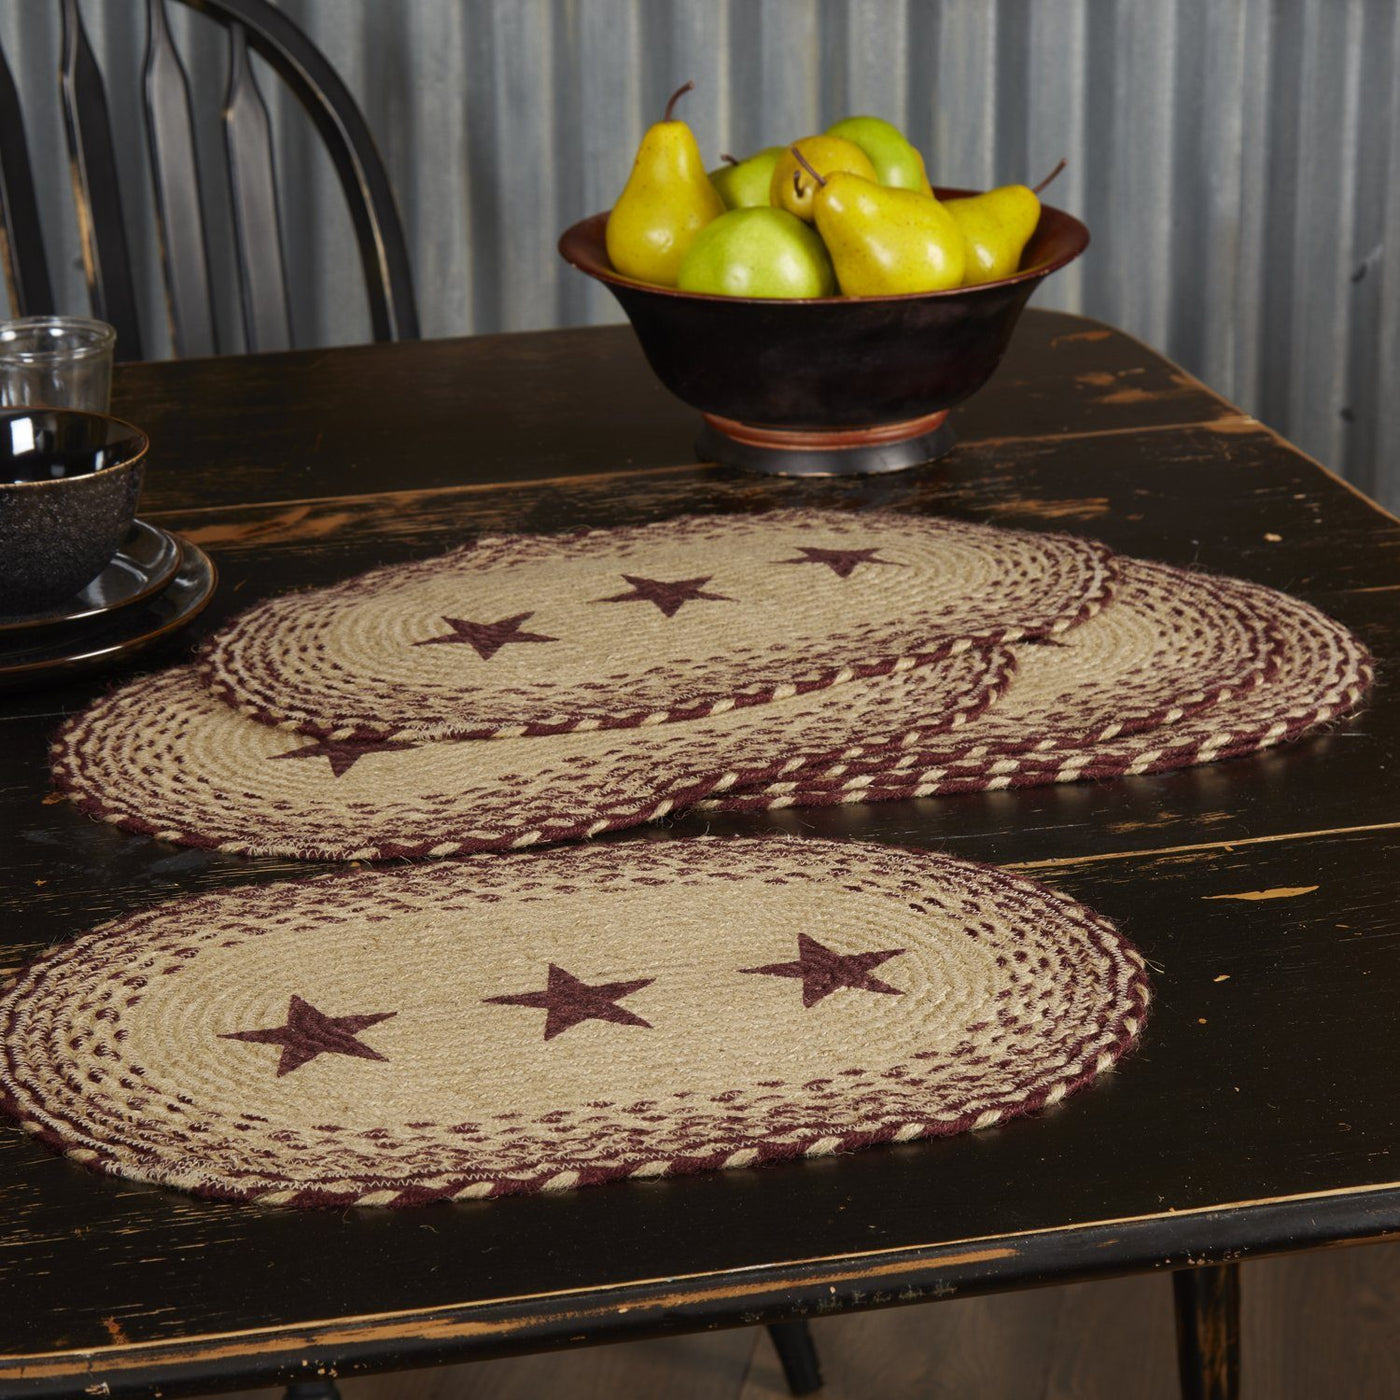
[{"x": 252, "y": 26}]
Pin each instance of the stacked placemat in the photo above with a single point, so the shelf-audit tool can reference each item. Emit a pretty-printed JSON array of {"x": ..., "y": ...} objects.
[
  {"x": 500, "y": 1023},
  {"x": 1060, "y": 720},
  {"x": 535, "y": 688}
]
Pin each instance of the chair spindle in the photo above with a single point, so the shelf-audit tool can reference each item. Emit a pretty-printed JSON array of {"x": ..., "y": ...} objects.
[
  {"x": 21, "y": 238},
  {"x": 96, "y": 187},
  {"x": 257, "y": 229},
  {"x": 184, "y": 250}
]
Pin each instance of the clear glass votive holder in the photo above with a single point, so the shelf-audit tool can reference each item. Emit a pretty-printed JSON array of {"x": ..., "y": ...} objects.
[{"x": 57, "y": 361}]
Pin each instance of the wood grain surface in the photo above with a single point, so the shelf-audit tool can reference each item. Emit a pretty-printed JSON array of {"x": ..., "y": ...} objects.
[{"x": 1258, "y": 1115}]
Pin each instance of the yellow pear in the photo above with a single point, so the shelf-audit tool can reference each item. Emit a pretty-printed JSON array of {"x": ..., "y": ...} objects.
[
  {"x": 996, "y": 227},
  {"x": 668, "y": 199},
  {"x": 885, "y": 241},
  {"x": 795, "y": 179}
]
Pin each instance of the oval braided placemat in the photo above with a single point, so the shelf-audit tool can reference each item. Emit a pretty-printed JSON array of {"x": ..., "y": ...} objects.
[
  {"x": 164, "y": 757},
  {"x": 541, "y": 634},
  {"x": 1169, "y": 644},
  {"x": 1321, "y": 672},
  {"x": 540, "y": 1022}
]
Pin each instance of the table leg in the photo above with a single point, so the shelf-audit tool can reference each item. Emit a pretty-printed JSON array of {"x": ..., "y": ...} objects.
[
  {"x": 798, "y": 1354},
  {"x": 1208, "y": 1331}
]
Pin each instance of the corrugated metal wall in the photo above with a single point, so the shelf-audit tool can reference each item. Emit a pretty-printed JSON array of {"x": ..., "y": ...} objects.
[{"x": 1237, "y": 160}]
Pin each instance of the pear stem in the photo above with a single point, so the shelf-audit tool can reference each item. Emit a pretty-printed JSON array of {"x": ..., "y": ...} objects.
[
  {"x": 1036, "y": 189},
  {"x": 728, "y": 159},
  {"x": 676, "y": 97},
  {"x": 806, "y": 165}
]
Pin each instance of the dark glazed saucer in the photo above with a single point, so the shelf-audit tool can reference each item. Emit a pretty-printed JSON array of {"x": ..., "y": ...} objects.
[
  {"x": 831, "y": 385},
  {"x": 57, "y": 655},
  {"x": 68, "y": 488},
  {"x": 144, "y": 564}
]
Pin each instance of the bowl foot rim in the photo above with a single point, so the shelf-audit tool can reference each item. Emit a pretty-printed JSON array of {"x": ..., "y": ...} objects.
[{"x": 887, "y": 447}]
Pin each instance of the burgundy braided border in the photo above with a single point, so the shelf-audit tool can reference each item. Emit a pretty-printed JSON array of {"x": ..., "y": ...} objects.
[
  {"x": 1033, "y": 746},
  {"x": 1029, "y": 773},
  {"x": 1126, "y": 1029},
  {"x": 64, "y": 772}
]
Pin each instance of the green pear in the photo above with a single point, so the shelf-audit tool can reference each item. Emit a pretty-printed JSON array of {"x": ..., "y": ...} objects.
[
  {"x": 996, "y": 227},
  {"x": 885, "y": 241},
  {"x": 758, "y": 253},
  {"x": 896, "y": 162},
  {"x": 668, "y": 199},
  {"x": 743, "y": 184}
]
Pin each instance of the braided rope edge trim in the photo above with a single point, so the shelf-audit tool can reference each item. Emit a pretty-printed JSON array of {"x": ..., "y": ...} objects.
[
  {"x": 871, "y": 764},
  {"x": 66, "y": 773},
  {"x": 1024, "y": 771}
]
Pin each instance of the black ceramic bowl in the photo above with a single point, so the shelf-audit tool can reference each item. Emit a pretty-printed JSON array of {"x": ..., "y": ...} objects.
[
  {"x": 831, "y": 384},
  {"x": 68, "y": 488}
]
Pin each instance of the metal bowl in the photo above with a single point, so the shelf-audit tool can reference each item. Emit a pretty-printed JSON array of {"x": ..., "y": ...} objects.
[{"x": 827, "y": 385}]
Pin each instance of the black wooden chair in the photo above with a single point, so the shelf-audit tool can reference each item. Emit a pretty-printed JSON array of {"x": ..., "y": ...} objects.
[{"x": 250, "y": 24}]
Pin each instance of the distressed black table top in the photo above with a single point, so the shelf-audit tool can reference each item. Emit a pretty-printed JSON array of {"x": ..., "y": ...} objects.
[{"x": 1259, "y": 1114}]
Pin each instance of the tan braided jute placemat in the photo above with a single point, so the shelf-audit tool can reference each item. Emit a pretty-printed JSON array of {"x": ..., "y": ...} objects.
[
  {"x": 538, "y": 1022},
  {"x": 539, "y": 634},
  {"x": 1170, "y": 643},
  {"x": 164, "y": 757},
  {"x": 1321, "y": 672}
]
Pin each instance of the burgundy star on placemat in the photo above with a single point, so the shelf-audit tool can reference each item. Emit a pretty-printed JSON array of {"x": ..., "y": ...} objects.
[
  {"x": 569, "y": 1001},
  {"x": 310, "y": 1032},
  {"x": 487, "y": 637},
  {"x": 669, "y": 597},
  {"x": 344, "y": 754},
  {"x": 841, "y": 562},
  {"x": 822, "y": 971}
]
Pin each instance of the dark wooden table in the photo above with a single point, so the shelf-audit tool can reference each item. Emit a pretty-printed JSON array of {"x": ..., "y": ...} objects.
[{"x": 1260, "y": 1113}]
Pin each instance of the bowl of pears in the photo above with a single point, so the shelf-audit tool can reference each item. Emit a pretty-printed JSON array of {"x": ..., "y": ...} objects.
[{"x": 820, "y": 303}]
